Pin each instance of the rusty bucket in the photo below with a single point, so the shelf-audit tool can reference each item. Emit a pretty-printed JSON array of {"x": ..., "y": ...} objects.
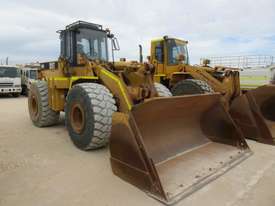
[
  {"x": 170, "y": 147},
  {"x": 254, "y": 113}
]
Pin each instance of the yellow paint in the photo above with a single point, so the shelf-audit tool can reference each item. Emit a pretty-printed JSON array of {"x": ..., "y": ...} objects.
[
  {"x": 160, "y": 75},
  {"x": 180, "y": 73},
  {"x": 72, "y": 79},
  {"x": 157, "y": 39},
  {"x": 122, "y": 89},
  {"x": 75, "y": 78},
  {"x": 58, "y": 78}
]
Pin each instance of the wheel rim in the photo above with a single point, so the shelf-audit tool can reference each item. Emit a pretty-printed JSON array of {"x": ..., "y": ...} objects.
[
  {"x": 77, "y": 118},
  {"x": 34, "y": 106}
]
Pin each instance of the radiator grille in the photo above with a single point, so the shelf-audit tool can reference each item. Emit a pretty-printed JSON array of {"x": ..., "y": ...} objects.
[{"x": 6, "y": 85}]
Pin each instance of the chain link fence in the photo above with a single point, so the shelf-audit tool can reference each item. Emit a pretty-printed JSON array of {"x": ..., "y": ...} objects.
[{"x": 243, "y": 62}]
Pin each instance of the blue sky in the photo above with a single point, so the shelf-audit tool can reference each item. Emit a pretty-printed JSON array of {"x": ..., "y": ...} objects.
[{"x": 212, "y": 27}]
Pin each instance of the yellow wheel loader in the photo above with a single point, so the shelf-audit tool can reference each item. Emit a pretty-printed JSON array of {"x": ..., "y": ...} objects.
[
  {"x": 253, "y": 110},
  {"x": 166, "y": 146}
]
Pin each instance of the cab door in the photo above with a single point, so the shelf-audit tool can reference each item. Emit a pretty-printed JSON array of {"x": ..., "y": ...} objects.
[{"x": 157, "y": 57}]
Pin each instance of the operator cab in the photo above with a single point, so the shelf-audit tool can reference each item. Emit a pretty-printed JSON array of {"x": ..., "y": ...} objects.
[
  {"x": 170, "y": 51},
  {"x": 82, "y": 40}
]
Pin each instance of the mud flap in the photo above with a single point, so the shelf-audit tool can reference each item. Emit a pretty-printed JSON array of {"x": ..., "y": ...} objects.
[
  {"x": 254, "y": 113},
  {"x": 170, "y": 147}
]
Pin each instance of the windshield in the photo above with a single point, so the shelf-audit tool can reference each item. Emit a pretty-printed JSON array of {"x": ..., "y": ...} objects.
[
  {"x": 33, "y": 74},
  {"x": 175, "y": 49},
  {"x": 93, "y": 44},
  {"x": 11, "y": 72}
]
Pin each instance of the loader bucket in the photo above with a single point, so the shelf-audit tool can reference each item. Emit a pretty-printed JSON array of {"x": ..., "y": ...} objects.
[
  {"x": 254, "y": 113},
  {"x": 170, "y": 147}
]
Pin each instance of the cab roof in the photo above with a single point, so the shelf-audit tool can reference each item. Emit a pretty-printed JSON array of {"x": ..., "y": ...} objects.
[
  {"x": 82, "y": 24},
  {"x": 166, "y": 37}
]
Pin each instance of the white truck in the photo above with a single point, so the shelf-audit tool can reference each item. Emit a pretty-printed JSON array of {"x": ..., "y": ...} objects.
[
  {"x": 28, "y": 76},
  {"x": 10, "y": 80}
]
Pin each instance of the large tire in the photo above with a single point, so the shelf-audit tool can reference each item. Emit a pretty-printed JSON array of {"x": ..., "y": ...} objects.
[
  {"x": 39, "y": 110},
  {"x": 24, "y": 90},
  {"x": 27, "y": 92},
  {"x": 162, "y": 90},
  {"x": 88, "y": 115},
  {"x": 191, "y": 86}
]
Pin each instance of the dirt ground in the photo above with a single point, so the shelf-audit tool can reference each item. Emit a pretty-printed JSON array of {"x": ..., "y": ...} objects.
[{"x": 42, "y": 167}]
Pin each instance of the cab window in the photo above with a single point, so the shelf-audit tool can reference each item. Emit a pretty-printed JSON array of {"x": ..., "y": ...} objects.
[
  {"x": 174, "y": 50},
  {"x": 159, "y": 52}
]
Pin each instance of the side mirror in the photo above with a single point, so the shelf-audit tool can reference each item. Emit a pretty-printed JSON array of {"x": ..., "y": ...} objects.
[{"x": 115, "y": 44}]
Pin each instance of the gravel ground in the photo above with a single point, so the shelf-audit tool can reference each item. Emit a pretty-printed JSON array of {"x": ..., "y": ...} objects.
[{"x": 42, "y": 167}]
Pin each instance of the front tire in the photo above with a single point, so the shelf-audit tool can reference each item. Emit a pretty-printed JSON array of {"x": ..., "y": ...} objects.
[
  {"x": 88, "y": 115},
  {"x": 24, "y": 90},
  {"x": 191, "y": 86}
]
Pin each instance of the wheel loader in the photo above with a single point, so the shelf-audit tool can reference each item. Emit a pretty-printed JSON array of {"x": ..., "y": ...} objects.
[
  {"x": 253, "y": 110},
  {"x": 167, "y": 146}
]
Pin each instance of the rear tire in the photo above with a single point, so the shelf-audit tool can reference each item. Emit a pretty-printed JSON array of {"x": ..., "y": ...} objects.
[
  {"x": 24, "y": 90},
  {"x": 39, "y": 110},
  {"x": 191, "y": 86},
  {"x": 88, "y": 115},
  {"x": 27, "y": 92},
  {"x": 162, "y": 90}
]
